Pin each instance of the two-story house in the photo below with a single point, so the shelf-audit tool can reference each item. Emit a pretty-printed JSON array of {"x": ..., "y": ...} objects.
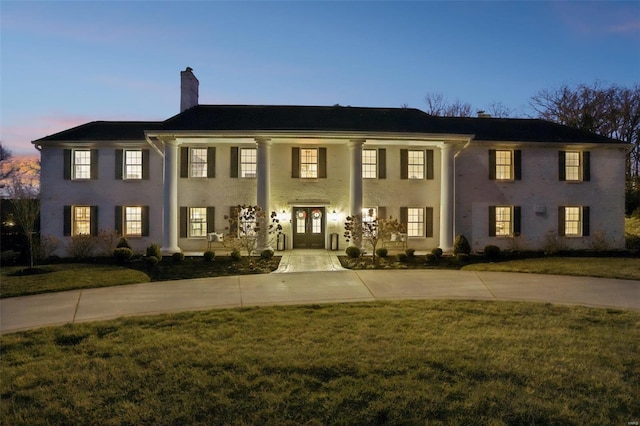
[{"x": 515, "y": 183}]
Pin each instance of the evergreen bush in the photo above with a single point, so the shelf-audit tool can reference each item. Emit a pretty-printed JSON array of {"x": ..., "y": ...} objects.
[
  {"x": 382, "y": 252},
  {"x": 151, "y": 261},
  {"x": 437, "y": 252},
  {"x": 353, "y": 252},
  {"x": 461, "y": 245},
  {"x": 154, "y": 251},
  {"x": 178, "y": 257},
  {"x": 235, "y": 255},
  {"x": 123, "y": 243},
  {"x": 402, "y": 257},
  {"x": 431, "y": 259},
  {"x": 266, "y": 254},
  {"x": 209, "y": 256},
  {"x": 122, "y": 254},
  {"x": 411, "y": 253},
  {"x": 492, "y": 252}
]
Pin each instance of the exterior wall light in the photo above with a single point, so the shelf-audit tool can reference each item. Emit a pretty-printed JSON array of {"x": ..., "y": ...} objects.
[{"x": 334, "y": 216}]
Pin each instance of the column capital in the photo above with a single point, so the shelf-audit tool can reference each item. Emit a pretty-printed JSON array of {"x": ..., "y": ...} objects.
[
  {"x": 263, "y": 141},
  {"x": 354, "y": 143}
]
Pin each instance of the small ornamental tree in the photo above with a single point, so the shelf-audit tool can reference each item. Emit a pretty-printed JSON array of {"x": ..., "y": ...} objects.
[
  {"x": 247, "y": 225},
  {"x": 370, "y": 229}
]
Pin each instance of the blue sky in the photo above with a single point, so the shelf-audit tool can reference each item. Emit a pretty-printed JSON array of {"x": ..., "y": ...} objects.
[{"x": 67, "y": 63}]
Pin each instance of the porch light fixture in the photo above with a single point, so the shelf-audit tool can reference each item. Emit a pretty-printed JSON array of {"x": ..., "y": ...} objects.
[{"x": 334, "y": 216}]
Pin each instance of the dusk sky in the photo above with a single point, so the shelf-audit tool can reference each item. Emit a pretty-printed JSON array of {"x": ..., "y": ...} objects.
[{"x": 68, "y": 63}]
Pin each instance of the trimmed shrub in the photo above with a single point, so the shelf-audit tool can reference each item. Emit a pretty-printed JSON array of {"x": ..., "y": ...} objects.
[
  {"x": 437, "y": 252},
  {"x": 402, "y": 257},
  {"x": 235, "y": 255},
  {"x": 122, "y": 254},
  {"x": 492, "y": 252},
  {"x": 266, "y": 254},
  {"x": 178, "y": 257},
  {"x": 209, "y": 256},
  {"x": 431, "y": 259},
  {"x": 154, "y": 251},
  {"x": 151, "y": 261},
  {"x": 411, "y": 253},
  {"x": 353, "y": 252},
  {"x": 461, "y": 245},
  {"x": 123, "y": 243},
  {"x": 382, "y": 252}
]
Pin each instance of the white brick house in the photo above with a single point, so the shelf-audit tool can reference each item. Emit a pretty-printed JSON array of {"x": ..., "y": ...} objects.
[{"x": 508, "y": 182}]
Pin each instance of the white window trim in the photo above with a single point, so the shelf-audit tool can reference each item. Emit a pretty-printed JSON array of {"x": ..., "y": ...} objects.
[
  {"x": 509, "y": 223},
  {"x": 578, "y": 222},
  {"x": 317, "y": 163},
  {"x": 421, "y": 229},
  {"x": 510, "y": 165},
  {"x": 579, "y": 167},
  {"x": 192, "y": 163},
  {"x": 75, "y": 221},
  {"x": 74, "y": 164},
  {"x": 374, "y": 164},
  {"x": 409, "y": 164},
  {"x": 126, "y": 222},
  {"x": 125, "y": 174},
  {"x": 241, "y": 172},
  {"x": 190, "y": 222}
]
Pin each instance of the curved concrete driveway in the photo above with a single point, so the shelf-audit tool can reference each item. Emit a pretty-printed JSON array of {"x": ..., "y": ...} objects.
[{"x": 20, "y": 313}]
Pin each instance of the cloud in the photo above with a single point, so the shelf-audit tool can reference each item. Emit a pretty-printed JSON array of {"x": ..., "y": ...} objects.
[{"x": 599, "y": 18}]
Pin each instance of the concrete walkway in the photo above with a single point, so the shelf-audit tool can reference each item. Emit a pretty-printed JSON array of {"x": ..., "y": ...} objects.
[{"x": 311, "y": 286}]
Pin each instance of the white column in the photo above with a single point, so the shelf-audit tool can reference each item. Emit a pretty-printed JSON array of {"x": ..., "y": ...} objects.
[
  {"x": 446, "y": 198},
  {"x": 263, "y": 195},
  {"x": 355, "y": 178},
  {"x": 170, "y": 201}
]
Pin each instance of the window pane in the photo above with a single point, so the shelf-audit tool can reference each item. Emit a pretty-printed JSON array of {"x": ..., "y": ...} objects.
[
  {"x": 572, "y": 225},
  {"x": 248, "y": 162},
  {"x": 133, "y": 221},
  {"x": 572, "y": 166},
  {"x": 198, "y": 162},
  {"x": 416, "y": 164},
  {"x": 309, "y": 163},
  {"x": 503, "y": 221},
  {"x": 133, "y": 164},
  {"x": 246, "y": 222},
  {"x": 81, "y": 220},
  {"x": 198, "y": 222},
  {"x": 369, "y": 163},
  {"x": 415, "y": 222},
  {"x": 82, "y": 164},
  {"x": 503, "y": 165}
]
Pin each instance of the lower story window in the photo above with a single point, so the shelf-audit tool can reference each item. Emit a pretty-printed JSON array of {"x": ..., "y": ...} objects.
[
  {"x": 572, "y": 221},
  {"x": 133, "y": 221},
  {"x": 81, "y": 220},
  {"x": 504, "y": 221},
  {"x": 198, "y": 222},
  {"x": 415, "y": 222}
]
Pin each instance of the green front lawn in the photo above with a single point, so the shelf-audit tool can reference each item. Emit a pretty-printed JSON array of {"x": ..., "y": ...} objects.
[{"x": 413, "y": 362}]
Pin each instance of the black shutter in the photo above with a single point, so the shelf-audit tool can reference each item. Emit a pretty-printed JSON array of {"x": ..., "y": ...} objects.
[
  {"x": 404, "y": 164},
  {"x": 517, "y": 220},
  {"x": 562, "y": 161},
  {"x": 295, "y": 162},
  {"x": 211, "y": 162},
  {"x": 184, "y": 221},
  {"x": 94, "y": 220},
  {"x": 404, "y": 215},
  {"x": 428, "y": 215},
  {"x": 492, "y": 221},
  {"x": 492, "y": 164},
  {"x": 145, "y": 221},
  {"x": 322, "y": 163},
  {"x": 184, "y": 162},
  {"x": 145, "y": 164},
  {"x": 561, "y": 221},
  {"x": 517, "y": 164},
  {"x": 382, "y": 212},
  {"x": 233, "y": 220},
  {"x": 211, "y": 219},
  {"x": 120, "y": 163},
  {"x": 67, "y": 220},
  {"x": 586, "y": 166},
  {"x": 118, "y": 217},
  {"x": 233, "y": 166},
  {"x": 94, "y": 164},
  {"x": 67, "y": 166},
  {"x": 429, "y": 164},
  {"x": 382, "y": 163},
  {"x": 585, "y": 221}
]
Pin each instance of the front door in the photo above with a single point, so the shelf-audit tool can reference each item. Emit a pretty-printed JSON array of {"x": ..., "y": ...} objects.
[{"x": 308, "y": 227}]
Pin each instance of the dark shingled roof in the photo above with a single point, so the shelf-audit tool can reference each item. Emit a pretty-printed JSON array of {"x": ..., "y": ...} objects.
[{"x": 204, "y": 118}]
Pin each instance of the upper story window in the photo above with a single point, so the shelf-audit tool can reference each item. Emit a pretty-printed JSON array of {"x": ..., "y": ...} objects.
[
  {"x": 132, "y": 164},
  {"x": 248, "y": 162},
  {"x": 369, "y": 163},
  {"x": 82, "y": 164},
  {"x": 505, "y": 164},
  {"x": 415, "y": 164},
  {"x": 198, "y": 162},
  {"x": 574, "y": 166},
  {"x": 309, "y": 163}
]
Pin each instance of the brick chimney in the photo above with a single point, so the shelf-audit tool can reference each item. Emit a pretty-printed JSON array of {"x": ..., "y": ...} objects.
[{"x": 188, "y": 89}]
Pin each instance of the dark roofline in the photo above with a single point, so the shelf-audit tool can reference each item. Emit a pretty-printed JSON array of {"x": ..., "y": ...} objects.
[{"x": 274, "y": 118}]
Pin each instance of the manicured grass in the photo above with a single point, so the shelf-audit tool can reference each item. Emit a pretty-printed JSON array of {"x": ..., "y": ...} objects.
[
  {"x": 413, "y": 362},
  {"x": 67, "y": 276},
  {"x": 624, "y": 268}
]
